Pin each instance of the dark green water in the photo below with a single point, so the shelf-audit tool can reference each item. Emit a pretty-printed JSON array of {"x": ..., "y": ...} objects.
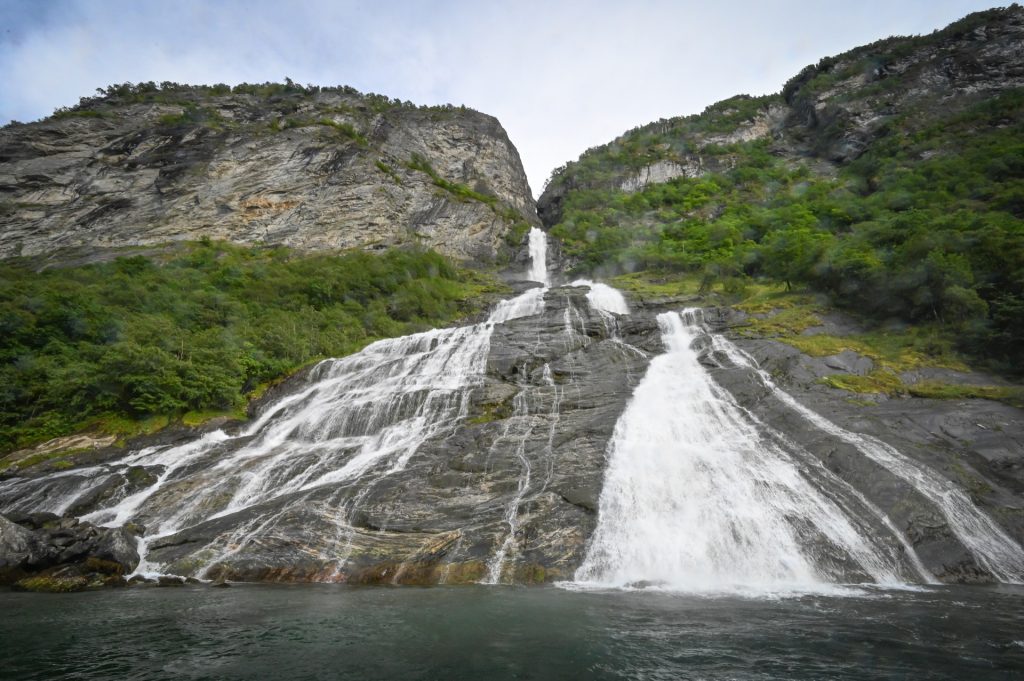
[{"x": 489, "y": 633}]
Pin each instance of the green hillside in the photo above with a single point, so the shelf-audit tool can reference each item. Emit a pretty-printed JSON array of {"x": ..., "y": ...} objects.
[{"x": 900, "y": 197}]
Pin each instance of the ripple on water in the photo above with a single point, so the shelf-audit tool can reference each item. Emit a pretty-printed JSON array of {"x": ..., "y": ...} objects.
[{"x": 337, "y": 632}]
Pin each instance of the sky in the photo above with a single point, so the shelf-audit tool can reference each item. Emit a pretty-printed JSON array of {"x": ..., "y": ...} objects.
[{"x": 561, "y": 76}]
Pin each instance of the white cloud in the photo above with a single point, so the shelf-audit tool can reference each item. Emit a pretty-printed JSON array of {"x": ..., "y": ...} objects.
[{"x": 561, "y": 76}]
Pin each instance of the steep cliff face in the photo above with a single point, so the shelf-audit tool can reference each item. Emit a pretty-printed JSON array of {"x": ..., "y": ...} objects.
[
  {"x": 888, "y": 178},
  {"x": 309, "y": 168}
]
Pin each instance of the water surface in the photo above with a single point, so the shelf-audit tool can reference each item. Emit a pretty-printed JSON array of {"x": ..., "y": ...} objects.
[{"x": 488, "y": 633}]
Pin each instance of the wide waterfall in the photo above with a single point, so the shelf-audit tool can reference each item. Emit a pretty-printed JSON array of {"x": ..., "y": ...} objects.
[
  {"x": 701, "y": 496},
  {"x": 362, "y": 416},
  {"x": 480, "y": 453}
]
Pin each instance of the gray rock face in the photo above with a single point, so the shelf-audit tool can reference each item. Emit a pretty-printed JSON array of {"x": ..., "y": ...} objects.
[
  {"x": 976, "y": 445},
  {"x": 20, "y": 550},
  {"x": 511, "y": 494},
  {"x": 43, "y": 543},
  {"x": 960, "y": 69},
  {"x": 322, "y": 170}
]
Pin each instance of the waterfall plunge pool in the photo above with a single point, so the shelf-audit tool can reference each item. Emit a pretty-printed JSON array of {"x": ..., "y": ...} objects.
[{"x": 336, "y": 632}]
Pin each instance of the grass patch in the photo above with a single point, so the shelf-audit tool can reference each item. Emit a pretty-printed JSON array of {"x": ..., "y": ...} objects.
[
  {"x": 936, "y": 390},
  {"x": 125, "y": 427},
  {"x": 494, "y": 411},
  {"x": 198, "y": 418},
  {"x": 389, "y": 171},
  {"x": 883, "y": 382},
  {"x": 877, "y": 382},
  {"x": 79, "y": 113},
  {"x": 785, "y": 316},
  {"x": 456, "y": 189},
  {"x": 897, "y": 350},
  {"x": 347, "y": 130},
  {"x": 648, "y": 284}
]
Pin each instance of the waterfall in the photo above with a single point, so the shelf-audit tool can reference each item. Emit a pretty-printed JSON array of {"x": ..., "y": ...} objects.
[
  {"x": 990, "y": 545},
  {"x": 696, "y": 498},
  {"x": 359, "y": 418},
  {"x": 699, "y": 495},
  {"x": 603, "y": 297},
  {"x": 539, "y": 257}
]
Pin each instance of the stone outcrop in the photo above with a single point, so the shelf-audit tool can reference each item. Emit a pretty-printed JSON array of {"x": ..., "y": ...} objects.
[
  {"x": 46, "y": 552},
  {"x": 976, "y": 444},
  {"x": 310, "y": 169}
]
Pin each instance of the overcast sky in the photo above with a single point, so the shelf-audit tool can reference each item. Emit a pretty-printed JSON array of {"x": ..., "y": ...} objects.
[{"x": 561, "y": 76}]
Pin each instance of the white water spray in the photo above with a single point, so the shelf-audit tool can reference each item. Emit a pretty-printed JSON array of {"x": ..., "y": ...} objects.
[
  {"x": 991, "y": 546},
  {"x": 696, "y": 499},
  {"x": 603, "y": 297},
  {"x": 366, "y": 414}
]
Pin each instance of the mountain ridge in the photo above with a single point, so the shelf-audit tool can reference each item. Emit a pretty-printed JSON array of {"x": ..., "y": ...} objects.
[{"x": 306, "y": 167}]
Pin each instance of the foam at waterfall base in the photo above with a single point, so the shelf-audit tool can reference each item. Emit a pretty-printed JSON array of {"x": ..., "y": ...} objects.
[
  {"x": 603, "y": 298},
  {"x": 773, "y": 591}
]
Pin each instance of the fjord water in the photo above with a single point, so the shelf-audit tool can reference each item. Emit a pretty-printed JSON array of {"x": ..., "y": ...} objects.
[{"x": 496, "y": 633}]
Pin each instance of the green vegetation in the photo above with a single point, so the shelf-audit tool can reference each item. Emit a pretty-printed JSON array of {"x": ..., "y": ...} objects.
[
  {"x": 51, "y": 584},
  {"x": 925, "y": 226},
  {"x": 193, "y": 115},
  {"x": 456, "y": 189},
  {"x": 887, "y": 383},
  {"x": 78, "y": 113},
  {"x": 122, "y": 347},
  {"x": 285, "y": 98},
  {"x": 460, "y": 192},
  {"x": 389, "y": 171}
]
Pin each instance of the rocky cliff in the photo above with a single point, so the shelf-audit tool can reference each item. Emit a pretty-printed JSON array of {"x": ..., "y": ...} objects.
[
  {"x": 511, "y": 494},
  {"x": 311, "y": 168},
  {"x": 826, "y": 116}
]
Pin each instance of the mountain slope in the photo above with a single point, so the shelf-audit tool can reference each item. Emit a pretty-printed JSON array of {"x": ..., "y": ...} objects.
[{"x": 890, "y": 177}]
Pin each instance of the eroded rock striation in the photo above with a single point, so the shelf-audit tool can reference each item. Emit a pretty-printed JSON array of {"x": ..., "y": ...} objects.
[{"x": 510, "y": 492}]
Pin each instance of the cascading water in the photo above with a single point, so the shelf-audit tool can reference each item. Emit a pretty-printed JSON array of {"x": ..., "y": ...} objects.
[
  {"x": 363, "y": 416},
  {"x": 701, "y": 496},
  {"x": 695, "y": 498},
  {"x": 991, "y": 546},
  {"x": 539, "y": 257},
  {"x": 603, "y": 298},
  {"x": 698, "y": 493}
]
